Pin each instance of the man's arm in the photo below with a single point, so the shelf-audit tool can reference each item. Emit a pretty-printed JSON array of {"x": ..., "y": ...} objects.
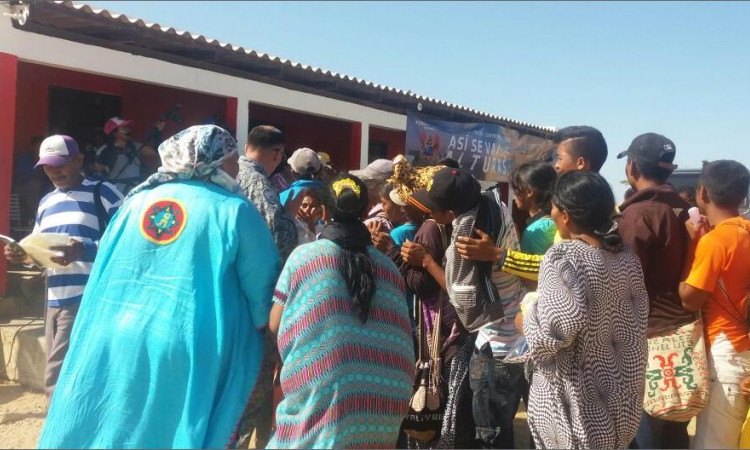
[
  {"x": 692, "y": 298},
  {"x": 147, "y": 149},
  {"x": 258, "y": 265},
  {"x": 264, "y": 197},
  {"x": 421, "y": 275},
  {"x": 111, "y": 200},
  {"x": 704, "y": 271},
  {"x": 510, "y": 261}
]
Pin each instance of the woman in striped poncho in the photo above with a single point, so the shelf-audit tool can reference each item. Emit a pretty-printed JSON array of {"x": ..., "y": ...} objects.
[{"x": 344, "y": 336}]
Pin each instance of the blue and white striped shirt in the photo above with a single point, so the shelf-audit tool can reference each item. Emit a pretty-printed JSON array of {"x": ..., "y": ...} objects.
[
  {"x": 503, "y": 334},
  {"x": 74, "y": 212}
]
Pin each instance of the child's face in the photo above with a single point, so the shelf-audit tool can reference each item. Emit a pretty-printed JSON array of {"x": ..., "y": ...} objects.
[
  {"x": 393, "y": 212},
  {"x": 523, "y": 199},
  {"x": 566, "y": 160},
  {"x": 309, "y": 205}
]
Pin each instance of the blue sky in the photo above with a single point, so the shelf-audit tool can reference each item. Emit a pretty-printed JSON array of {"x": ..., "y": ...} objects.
[{"x": 681, "y": 69}]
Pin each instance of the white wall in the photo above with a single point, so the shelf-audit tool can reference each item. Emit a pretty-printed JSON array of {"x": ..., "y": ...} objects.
[{"x": 40, "y": 49}]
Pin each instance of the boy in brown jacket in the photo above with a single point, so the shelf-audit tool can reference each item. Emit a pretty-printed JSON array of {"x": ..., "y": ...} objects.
[{"x": 653, "y": 224}]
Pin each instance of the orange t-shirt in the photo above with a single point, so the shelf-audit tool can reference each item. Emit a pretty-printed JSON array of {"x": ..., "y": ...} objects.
[{"x": 724, "y": 253}]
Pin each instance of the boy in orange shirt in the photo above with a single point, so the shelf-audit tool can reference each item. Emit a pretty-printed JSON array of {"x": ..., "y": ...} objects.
[{"x": 717, "y": 284}]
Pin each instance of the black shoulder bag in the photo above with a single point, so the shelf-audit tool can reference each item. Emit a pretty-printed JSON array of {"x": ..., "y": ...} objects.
[{"x": 101, "y": 213}]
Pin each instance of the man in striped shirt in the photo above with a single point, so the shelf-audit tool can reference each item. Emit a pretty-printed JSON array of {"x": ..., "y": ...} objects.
[
  {"x": 80, "y": 208},
  {"x": 497, "y": 385}
]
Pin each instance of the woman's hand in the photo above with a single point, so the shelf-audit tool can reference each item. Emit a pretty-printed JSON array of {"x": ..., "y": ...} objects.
[
  {"x": 374, "y": 227},
  {"x": 413, "y": 254},
  {"x": 382, "y": 241},
  {"x": 310, "y": 217}
]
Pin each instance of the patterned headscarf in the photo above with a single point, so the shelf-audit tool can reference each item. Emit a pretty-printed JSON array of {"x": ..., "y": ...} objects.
[
  {"x": 408, "y": 179},
  {"x": 195, "y": 153}
]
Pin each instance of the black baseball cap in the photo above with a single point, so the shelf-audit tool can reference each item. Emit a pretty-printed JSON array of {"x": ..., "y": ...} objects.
[
  {"x": 454, "y": 190},
  {"x": 652, "y": 148},
  {"x": 421, "y": 200}
]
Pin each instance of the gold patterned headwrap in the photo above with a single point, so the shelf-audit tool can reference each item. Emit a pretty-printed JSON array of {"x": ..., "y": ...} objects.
[
  {"x": 408, "y": 179},
  {"x": 346, "y": 183}
]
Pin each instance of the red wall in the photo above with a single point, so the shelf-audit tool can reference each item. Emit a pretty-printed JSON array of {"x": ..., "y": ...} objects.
[
  {"x": 395, "y": 139},
  {"x": 28, "y": 94},
  {"x": 8, "y": 74},
  {"x": 141, "y": 102},
  {"x": 320, "y": 134}
]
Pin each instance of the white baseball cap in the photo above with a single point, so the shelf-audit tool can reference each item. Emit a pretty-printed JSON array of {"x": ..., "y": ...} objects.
[
  {"x": 378, "y": 170},
  {"x": 305, "y": 161},
  {"x": 57, "y": 150}
]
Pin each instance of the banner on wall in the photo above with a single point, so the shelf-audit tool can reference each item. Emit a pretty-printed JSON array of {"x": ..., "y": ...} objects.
[{"x": 488, "y": 150}]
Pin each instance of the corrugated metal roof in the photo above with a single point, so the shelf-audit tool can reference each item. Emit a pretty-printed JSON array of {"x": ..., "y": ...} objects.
[{"x": 275, "y": 60}]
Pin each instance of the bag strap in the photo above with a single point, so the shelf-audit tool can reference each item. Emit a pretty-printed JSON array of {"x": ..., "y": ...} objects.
[
  {"x": 444, "y": 238},
  {"x": 131, "y": 154},
  {"x": 436, "y": 331},
  {"x": 738, "y": 317},
  {"x": 435, "y": 356},
  {"x": 420, "y": 330},
  {"x": 101, "y": 213}
]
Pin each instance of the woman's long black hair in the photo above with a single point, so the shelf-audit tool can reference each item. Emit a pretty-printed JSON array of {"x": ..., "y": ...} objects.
[
  {"x": 347, "y": 208},
  {"x": 539, "y": 177},
  {"x": 590, "y": 204}
]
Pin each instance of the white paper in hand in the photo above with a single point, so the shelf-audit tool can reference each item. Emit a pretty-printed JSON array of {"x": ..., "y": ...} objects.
[{"x": 37, "y": 246}]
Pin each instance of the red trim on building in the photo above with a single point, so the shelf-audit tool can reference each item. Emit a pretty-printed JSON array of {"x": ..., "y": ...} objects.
[
  {"x": 141, "y": 102},
  {"x": 396, "y": 140},
  {"x": 8, "y": 78}
]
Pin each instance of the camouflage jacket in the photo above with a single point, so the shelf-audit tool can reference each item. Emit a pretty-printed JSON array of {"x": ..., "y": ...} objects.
[{"x": 258, "y": 189}]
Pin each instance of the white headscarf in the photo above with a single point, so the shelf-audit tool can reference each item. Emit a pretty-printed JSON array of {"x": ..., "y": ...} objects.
[{"x": 194, "y": 153}]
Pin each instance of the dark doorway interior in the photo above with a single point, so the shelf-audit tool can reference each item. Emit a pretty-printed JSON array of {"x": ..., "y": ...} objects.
[
  {"x": 377, "y": 150},
  {"x": 80, "y": 114}
]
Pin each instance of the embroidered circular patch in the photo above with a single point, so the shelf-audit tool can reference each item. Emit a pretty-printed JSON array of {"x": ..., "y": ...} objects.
[{"x": 163, "y": 221}]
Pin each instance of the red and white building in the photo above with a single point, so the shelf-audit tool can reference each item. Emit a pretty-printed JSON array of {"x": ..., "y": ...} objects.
[{"x": 66, "y": 68}]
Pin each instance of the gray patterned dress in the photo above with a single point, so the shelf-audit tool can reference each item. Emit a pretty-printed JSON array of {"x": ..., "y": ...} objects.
[{"x": 587, "y": 337}]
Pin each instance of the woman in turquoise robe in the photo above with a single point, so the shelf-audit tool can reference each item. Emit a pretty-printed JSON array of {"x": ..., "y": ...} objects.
[{"x": 168, "y": 341}]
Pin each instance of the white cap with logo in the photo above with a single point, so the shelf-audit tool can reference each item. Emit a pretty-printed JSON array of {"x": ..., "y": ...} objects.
[{"x": 57, "y": 150}]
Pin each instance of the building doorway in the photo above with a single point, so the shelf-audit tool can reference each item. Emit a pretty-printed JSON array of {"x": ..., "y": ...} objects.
[{"x": 81, "y": 115}]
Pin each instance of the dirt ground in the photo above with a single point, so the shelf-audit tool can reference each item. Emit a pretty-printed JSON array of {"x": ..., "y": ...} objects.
[{"x": 21, "y": 416}]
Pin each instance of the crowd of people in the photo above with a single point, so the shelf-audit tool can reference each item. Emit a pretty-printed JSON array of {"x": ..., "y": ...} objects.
[{"x": 239, "y": 292}]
